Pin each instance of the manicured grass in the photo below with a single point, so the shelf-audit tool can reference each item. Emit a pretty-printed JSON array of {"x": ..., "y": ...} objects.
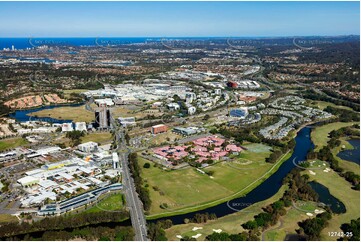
[
  {"x": 6, "y": 218},
  {"x": 112, "y": 202},
  {"x": 344, "y": 164},
  {"x": 188, "y": 190},
  {"x": 230, "y": 223},
  {"x": 341, "y": 189},
  {"x": 320, "y": 134},
  {"x": 289, "y": 225},
  {"x": 322, "y": 105},
  {"x": 11, "y": 143},
  {"x": 103, "y": 137},
  {"x": 306, "y": 206},
  {"x": 77, "y": 114}
]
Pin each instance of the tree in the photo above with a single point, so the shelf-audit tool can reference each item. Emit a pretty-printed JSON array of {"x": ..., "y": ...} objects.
[{"x": 146, "y": 165}]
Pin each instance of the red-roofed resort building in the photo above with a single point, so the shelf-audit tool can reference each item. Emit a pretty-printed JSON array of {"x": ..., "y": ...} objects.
[{"x": 207, "y": 148}]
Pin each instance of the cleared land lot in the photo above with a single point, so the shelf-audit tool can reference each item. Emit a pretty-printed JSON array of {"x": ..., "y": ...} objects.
[
  {"x": 133, "y": 111},
  {"x": 230, "y": 223},
  {"x": 11, "y": 143},
  {"x": 320, "y": 134},
  {"x": 103, "y": 137},
  {"x": 77, "y": 91},
  {"x": 77, "y": 114},
  {"x": 6, "y": 218},
  {"x": 161, "y": 138},
  {"x": 187, "y": 189}
]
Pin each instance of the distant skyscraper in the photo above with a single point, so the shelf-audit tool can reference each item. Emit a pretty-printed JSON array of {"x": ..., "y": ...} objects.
[
  {"x": 12, "y": 47},
  {"x": 102, "y": 117}
]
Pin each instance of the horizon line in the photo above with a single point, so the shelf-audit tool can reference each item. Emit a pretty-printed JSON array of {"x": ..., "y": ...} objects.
[{"x": 160, "y": 37}]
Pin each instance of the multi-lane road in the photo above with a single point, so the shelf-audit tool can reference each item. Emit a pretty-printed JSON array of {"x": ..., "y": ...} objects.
[{"x": 133, "y": 202}]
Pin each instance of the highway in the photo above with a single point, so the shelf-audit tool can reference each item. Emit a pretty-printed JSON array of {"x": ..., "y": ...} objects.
[{"x": 133, "y": 202}]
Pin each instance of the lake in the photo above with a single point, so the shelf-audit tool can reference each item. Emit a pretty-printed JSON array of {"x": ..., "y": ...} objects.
[
  {"x": 351, "y": 155},
  {"x": 23, "y": 115}
]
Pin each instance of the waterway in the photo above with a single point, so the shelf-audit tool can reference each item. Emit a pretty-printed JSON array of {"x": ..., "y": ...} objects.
[
  {"x": 351, "y": 155},
  {"x": 266, "y": 189},
  {"x": 23, "y": 115}
]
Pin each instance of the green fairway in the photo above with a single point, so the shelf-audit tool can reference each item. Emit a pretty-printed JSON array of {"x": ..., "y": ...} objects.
[
  {"x": 322, "y": 105},
  {"x": 287, "y": 225},
  {"x": 341, "y": 189},
  {"x": 320, "y": 134},
  {"x": 344, "y": 164},
  {"x": 103, "y": 137},
  {"x": 230, "y": 223},
  {"x": 11, "y": 143},
  {"x": 187, "y": 189}
]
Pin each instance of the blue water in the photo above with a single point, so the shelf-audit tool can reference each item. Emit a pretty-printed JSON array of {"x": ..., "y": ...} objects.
[
  {"x": 22, "y": 115},
  {"x": 325, "y": 197},
  {"x": 351, "y": 155},
  {"x": 23, "y": 43},
  {"x": 266, "y": 189}
]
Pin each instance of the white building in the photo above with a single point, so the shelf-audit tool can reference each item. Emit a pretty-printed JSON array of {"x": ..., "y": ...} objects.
[
  {"x": 67, "y": 127},
  {"x": 115, "y": 160},
  {"x": 107, "y": 101},
  {"x": 126, "y": 121},
  {"x": 191, "y": 110},
  {"x": 173, "y": 106},
  {"x": 80, "y": 126},
  {"x": 88, "y": 147},
  {"x": 28, "y": 181}
]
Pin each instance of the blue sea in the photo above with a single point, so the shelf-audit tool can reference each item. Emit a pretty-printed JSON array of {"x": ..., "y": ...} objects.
[{"x": 23, "y": 43}]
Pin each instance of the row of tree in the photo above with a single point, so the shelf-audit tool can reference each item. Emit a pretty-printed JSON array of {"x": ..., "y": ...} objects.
[
  {"x": 138, "y": 181},
  {"x": 326, "y": 154},
  {"x": 312, "y": 227},
  {"x": 100, "y": 233},
  {"x": 61, "y": 222},
  {"x": 298, "y": 189}
]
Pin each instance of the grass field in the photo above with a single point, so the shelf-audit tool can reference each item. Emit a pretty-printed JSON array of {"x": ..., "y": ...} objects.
[
  {"x": 289, "y": 223},
  {"x": 11, "y": 143},
  {"x": 103, "y": 137},
  {"x": 123, "y": 111},
  {"x": 67, "y": 92},
  {"x": 322, "y": 105},
  {"x": 341, "y": 189},
  {"x": 160, "y": 138},
  {"x": 6, "y": 218},
  {"x": 230, "y": 223},
  {"x": 187, "y": 189},
  {"x": 320, "y": 137},
  {"x": 77, "y": 114},
  {"x": 112, "y": 202}
]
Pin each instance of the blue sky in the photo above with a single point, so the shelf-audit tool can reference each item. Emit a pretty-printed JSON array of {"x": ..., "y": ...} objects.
[{"x": 175, "y": 19}]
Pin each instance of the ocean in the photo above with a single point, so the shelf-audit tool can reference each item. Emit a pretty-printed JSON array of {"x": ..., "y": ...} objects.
[{"x": 23, "y": 43}]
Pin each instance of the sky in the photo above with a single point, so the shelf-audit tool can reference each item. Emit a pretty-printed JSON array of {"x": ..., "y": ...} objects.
[{"x": 178, "y": 19}]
